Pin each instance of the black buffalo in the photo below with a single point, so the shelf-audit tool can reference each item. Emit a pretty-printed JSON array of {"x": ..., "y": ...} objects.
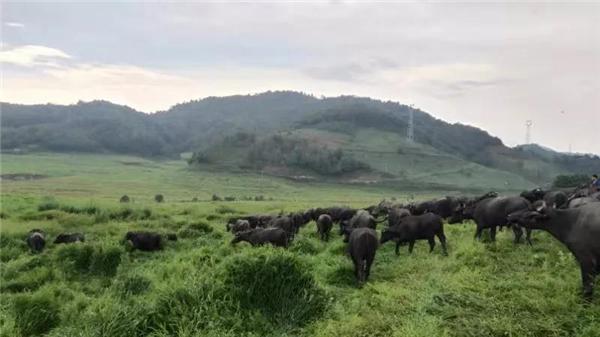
[
  {"x": 324, "y": 224},
  {"x": 259, "y": 236},
  {"x": 146, "y": 241},
  {"x": 240, "y": 225},
  {"x": 362, "y": 246},
  {"x": 36, "y": 240},
  {"x": 578, "y": 229},
  {"x": 491, "y": 213},
  {"x": 557, "y": 198},
  {"x": 416, "y": 227},
  {"x": 580, "y": 201},
  {"x": 360, "y": 219},
  {"x": 69, "y": 238},
  {"x": 259, "y": 220}
]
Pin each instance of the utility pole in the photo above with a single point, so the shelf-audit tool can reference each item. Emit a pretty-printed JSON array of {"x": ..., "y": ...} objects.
[
  {"x": 528, "y": 124},
  {"x": 411, "y": 125}
]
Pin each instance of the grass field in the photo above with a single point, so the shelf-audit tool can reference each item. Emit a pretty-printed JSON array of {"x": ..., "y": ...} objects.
[{"x": 203, "y": 286}]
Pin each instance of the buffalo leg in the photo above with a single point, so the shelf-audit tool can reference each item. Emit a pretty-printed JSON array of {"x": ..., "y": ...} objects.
[
  {"x": 518, "y": 231},
  {"x": 431, "y": 241},
  {"x": 397, "y": 247},
  {"x": 442, "y": 238},
  {"x": 411, "y": 245},
  {"x": 493, "y": 233},
  {"x": 587, "y": 280},
  {"x": 368, "y": 263},
  {"x": 528, "y": 236},
  {"x": 478, "y": 233}
]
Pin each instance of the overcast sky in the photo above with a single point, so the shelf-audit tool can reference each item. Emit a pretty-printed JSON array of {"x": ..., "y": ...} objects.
[{"x": 493, "y": 66}]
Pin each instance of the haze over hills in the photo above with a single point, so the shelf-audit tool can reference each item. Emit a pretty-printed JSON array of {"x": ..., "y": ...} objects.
[{"x": 342, "y": 138}]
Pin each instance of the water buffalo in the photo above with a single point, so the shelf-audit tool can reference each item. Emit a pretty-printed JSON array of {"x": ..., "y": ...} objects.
[
  {"x": 36, "y": 240},
  {"x": 259, "y": 236},
  {"x": 324, "y": 224},
  {"x": 239, "y": 225},
  {"x": 416, "y": 227},
  {"x": 578, "y": 229},
  {"x": 362, "y": 218},
  {"x": 557, "y": 198},
  {"x": 339, "y": 214},
  {"x": 533, "y": 195},
  {"x": 146, "y": 241},
  {"x": 493, "y": 212},
  {"x": 253, "y": 220},
  {"x": 362, "y": 246},
  {"x": 464, "y": 210},
  {"x": 578, "y": 202},
  {"x": 69, "y": 238}
]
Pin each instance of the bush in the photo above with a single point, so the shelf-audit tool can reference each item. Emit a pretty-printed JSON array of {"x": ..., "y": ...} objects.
[
  {"x": 97, "y": 260},
  {"x": 124, "y": 198},
  {"x": 195, "y": 230},
  {"x": 133, "y": 285},
  {"x": 275, "y": 283},
  {"x": 159, "y": 198},
  {"x": 224, "y": 210},
  {"x": 216, "y": 198},
  {"x": 48, "y": 204},
  {"x": 229, "y": 198},
  {"x": 570, "y": 180},
  {"x": 36, "y": 314}
]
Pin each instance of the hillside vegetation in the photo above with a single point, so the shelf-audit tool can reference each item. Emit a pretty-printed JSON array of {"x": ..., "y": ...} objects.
[{"x": 199, "y": 126}]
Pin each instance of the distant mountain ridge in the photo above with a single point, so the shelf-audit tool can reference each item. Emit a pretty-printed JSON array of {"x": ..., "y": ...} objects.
[{"x": 198, "y": 125}]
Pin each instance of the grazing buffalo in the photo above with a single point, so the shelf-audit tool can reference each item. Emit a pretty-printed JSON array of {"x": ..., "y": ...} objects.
[
  {"x": 289, "y": 223},
  {"x": 493, "y": 212},
  {"x": 238, "y": 226},
  {"x": 578, "y": 229},
  {"x": 416, "y": 227},
  {"x": 324, "y": 224},
  {"x": 557, "y": 198},
  {"x": 362, "y": 246},
  {"x": 259, "y": 236},
  {"x": 36, "y": 240},
  {"x": 146, "y": 241},
  {"x": 361, "y": 219},
  {"x": 339, "y": 214},
  {"x": 69, "y": 238},
  {"x": 253, "y": 220},
  {"x": 464, "y": 210},
  {"x": 395, "y": 215}
]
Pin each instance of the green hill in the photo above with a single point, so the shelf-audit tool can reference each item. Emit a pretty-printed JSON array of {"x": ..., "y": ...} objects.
[{"x": 370, "y": 133}]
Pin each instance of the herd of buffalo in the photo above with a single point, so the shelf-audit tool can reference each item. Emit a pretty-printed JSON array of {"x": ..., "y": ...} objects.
[{"x": 572, "y": 217}]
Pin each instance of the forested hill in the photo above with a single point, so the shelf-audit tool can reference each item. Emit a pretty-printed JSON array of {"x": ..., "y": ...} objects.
[{"x": 101, "y": 126}]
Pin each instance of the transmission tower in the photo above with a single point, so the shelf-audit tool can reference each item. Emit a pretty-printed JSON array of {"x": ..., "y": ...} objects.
[
  {"x": 528, "y": 124},
  {"x": 411, "y": 125}
]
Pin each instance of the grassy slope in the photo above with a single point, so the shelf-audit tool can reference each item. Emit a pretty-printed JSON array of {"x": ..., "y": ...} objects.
[
  {"x": 481, "y": 289},
  {"x": 417, "y": 162}
]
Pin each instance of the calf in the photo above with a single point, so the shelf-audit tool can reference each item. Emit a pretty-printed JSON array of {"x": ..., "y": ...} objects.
[
  {"x": 362, "y": 246},
  {"x": 416, "y": 227},
  {"x": 146, "y": 241},
  {"x": 578, "y": 229},
  {"x": 36, "y": 240},
  {"x": 69, "y": 238},
  {"x": 324, "y": 224},
  {"x": 259, "y": 236}
]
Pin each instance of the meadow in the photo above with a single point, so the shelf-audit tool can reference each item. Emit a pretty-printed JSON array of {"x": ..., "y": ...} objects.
[{"x": 201, "y": 285}]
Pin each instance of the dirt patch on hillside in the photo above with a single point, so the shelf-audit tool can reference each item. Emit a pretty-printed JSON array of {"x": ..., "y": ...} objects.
[{"x": 21, "y": 176}]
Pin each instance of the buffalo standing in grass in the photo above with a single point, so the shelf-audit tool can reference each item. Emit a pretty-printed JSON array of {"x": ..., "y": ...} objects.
[
  {"x": 259, "y": 236},
  {"x": 362, "y": 246},
  {"x": 416, "y": 227},
  {"x": 578, "y": 229},
  {"x": 361, "y": 219},
  {"x": 69, "y": 238},
  {"x": 324, "y": 224},
  {"x": 238, "y": 226},
  {"x": 36, "y": 240},
  {"x": 146, "y": 241}
]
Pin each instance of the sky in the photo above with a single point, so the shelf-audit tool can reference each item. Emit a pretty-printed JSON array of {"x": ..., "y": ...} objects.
[{"x": 490, "y": 65}]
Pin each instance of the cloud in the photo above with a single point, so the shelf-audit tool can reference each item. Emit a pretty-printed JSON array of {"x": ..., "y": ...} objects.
[
  {"x": 33, "y": 55},
  {"x": 14, "y": 25}
]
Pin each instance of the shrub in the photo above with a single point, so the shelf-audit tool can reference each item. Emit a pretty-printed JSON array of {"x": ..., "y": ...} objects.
[
  {"x": 47, "y": 204},
  {"x": 36, "y": 314},
  {"x": 216, "y": 198},
  {"x": 229, "y": 198},
  {"x": 275, "y": 283},
  {"x": 194, "y": 230},
  {"x": 124, "y": 198},
  {"x": 159, "y": 198},
  {"x": 304, "y": 245},
  {"x": 570, "y": 180},
  {"x": 97, "y": 260},
  {"x": 224, "y": 210}
]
